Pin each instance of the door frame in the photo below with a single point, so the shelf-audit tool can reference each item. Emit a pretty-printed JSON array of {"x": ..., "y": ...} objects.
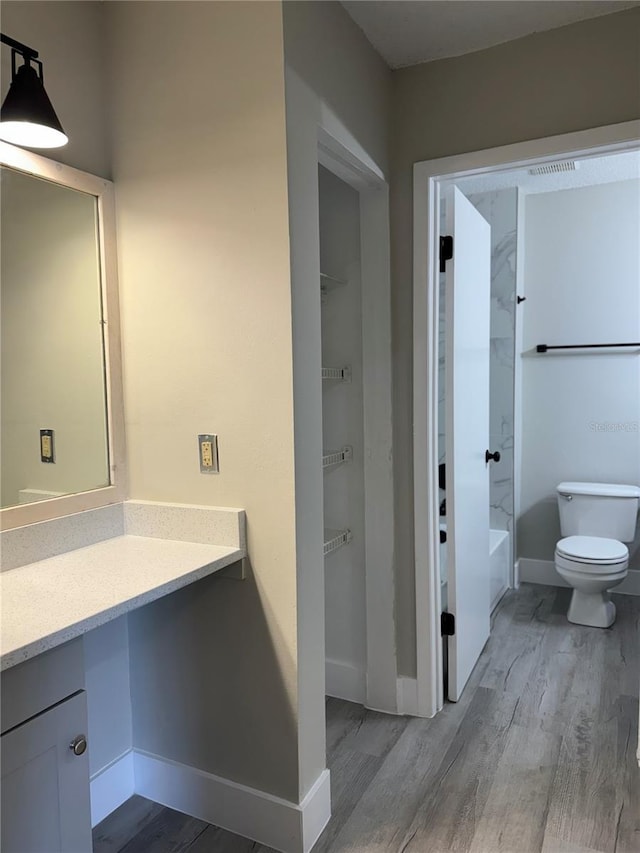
[{"x": 427, "y": 178}]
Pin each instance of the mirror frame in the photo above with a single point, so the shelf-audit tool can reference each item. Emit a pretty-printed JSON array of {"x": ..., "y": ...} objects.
[{"x": 103, "y": 190}]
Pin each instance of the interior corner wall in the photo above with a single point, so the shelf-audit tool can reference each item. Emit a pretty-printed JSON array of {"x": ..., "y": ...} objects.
[
  {"x": 199, "y": 162},
  {"x": 331, "y": 70},
  {"x": 572, "y": 78},
  {"x": 69, "y": 37}
]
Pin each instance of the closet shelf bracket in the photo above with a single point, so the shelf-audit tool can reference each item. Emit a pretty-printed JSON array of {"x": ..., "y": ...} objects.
[
  {"x": 330, "y": 282},
  {"x": 344, "y": 455},
  {"x": 341, "y": 374},
  {"x": 334, "y": 539}
]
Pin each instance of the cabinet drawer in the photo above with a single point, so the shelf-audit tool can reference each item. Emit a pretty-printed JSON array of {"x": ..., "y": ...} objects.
[{"x": 39, "y": 683}]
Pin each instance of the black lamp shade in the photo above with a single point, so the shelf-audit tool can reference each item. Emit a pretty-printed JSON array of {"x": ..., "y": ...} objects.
[{"x": 27, "y": 116}]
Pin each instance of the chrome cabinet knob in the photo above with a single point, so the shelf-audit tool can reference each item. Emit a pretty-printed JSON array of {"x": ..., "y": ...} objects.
[{"x": 78, "y": 745}]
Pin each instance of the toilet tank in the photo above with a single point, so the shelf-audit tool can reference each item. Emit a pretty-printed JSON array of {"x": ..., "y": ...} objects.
[{"x": 598, "y": 509}]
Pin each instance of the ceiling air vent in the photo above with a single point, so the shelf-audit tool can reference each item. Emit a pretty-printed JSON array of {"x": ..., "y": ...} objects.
[{"x": 554, "y": 168}]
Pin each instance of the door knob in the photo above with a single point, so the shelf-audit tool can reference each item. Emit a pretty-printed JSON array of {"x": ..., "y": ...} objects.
[
  {"x": 489, "y": 456},
  {"x": 78, "y": 745}
]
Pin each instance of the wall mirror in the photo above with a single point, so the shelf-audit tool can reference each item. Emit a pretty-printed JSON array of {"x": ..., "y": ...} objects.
[{"x": 61, "y": 438}]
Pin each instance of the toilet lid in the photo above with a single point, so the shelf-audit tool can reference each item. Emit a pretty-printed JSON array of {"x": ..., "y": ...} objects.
[{"x": 592, "y": 549}]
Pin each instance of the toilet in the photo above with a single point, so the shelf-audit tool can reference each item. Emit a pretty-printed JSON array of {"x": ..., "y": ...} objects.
[{"x": 596, "y": 519}]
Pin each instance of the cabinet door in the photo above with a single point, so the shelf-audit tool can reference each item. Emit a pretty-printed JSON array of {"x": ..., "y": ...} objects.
[{"x": 45, "y": 786}]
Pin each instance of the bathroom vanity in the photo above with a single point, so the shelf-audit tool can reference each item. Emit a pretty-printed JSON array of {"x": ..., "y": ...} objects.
[
  {"x": 82, "y": 566},
  {"x": 48, "y": 606}
]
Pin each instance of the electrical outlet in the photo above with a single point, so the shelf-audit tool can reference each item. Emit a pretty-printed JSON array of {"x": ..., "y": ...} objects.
[
  {"x": 47, "y": 449},
  {"x": 208, "y": 453}
]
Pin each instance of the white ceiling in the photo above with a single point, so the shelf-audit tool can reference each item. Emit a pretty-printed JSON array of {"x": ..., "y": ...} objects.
[
  {"x": 589, "y": 172},
  {"x": 406, "y": 32}
]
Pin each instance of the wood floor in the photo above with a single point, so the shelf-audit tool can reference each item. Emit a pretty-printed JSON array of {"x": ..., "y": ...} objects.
[{"x": 537, "y": 757}]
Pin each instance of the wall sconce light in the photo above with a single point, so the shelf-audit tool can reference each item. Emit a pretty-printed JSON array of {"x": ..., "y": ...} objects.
[{"x": 27, "y": 116}]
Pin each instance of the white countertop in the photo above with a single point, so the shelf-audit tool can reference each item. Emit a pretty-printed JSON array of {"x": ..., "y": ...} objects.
[{"x": 47, "y": 603}]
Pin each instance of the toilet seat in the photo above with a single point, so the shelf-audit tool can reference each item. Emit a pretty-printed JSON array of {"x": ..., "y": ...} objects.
[
  {"x": 592, "y": 549},
  {"x": 592, "y": 555}
]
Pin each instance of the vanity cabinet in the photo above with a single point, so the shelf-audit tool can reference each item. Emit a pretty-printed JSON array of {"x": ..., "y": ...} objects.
[
  {"x": 45, "y": 765},
  {"x": 45, "y": 782}
]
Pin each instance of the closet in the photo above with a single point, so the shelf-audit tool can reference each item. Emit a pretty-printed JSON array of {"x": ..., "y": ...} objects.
[{"x": 343, "y": 440}]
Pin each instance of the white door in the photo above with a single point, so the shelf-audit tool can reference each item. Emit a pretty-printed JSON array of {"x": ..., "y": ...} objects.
[
  {"x": 45, "y": 786},
  {"x": 468, "y": 295}
]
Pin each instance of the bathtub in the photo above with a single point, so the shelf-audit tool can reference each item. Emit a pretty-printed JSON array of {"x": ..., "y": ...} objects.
[{"x": 499, "y": 559}]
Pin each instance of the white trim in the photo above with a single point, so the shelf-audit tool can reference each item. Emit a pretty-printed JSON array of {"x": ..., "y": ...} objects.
[
  {"x": 315, "y": 811},
  {"x": 425, "y": 442},
  {"x": 286, "y": 826},
  {"x": 341, "y": 155},
  {"x": 407, "y": 696},
  {"x": 516, "y": 574},
  {"x": 111, "y": 787},
  {"x": 344, "y": 681},
  {"x": 544, "y": 572},
  {"x": 517, "y": 382},
  {"x": 381, "y": 671},
  {"x": 426, "y": 188},
  {"x": 35, "y": 164}
]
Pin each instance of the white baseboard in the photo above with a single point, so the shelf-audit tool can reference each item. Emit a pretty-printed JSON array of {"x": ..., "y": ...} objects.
[
  {"x": 315, "y": 810},
  {"x": 407, "y": 696},
  {"x": 286, "y": 826},
  {"x": 543, "y": 571},
  {"x": 344, "y": 681},
  {"x": 111, "y": 787}
]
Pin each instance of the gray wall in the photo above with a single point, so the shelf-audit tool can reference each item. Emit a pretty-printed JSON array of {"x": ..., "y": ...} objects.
[
  {"x": 573, "y": 78},
  {"x": 199, "y": 163}
]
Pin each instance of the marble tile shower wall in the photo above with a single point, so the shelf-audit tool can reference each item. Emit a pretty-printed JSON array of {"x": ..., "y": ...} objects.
[{"x": 499, "y": 208}]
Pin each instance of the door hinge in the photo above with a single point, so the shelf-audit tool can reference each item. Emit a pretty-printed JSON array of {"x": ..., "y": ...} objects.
[
  {"x": 447, "y": 624},
  {"x": 446, "y": 251}
]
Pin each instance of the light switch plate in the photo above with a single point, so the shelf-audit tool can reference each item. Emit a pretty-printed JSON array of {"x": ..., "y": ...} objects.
[{"x": 208, "y": 453}]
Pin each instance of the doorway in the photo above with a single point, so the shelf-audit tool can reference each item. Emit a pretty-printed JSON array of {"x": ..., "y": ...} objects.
[{"x": 430, "y": 180}]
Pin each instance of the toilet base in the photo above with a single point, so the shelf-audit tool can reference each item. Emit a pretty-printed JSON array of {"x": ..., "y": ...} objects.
[{"x": 593, "y": 608}]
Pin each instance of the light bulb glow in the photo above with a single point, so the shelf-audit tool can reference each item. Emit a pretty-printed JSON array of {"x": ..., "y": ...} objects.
[{"x": 32, "y": 135}]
